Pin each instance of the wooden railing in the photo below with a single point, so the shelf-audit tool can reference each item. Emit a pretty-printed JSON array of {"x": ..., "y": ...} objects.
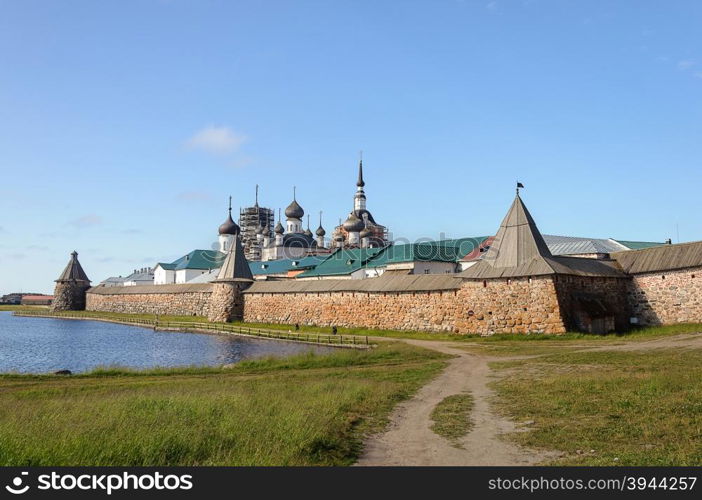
[{"x": 309, "y": 337}]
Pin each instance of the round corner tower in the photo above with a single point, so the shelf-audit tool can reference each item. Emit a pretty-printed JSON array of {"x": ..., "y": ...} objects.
[
  {"x": 227, "y": 300},
  {"x": 71, "y": 287}
]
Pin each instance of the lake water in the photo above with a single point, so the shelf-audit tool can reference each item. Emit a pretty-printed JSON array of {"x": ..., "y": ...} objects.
[{"x": 41, "y": 345}]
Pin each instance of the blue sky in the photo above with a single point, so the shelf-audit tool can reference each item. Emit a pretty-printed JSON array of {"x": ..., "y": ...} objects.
[{"x": 125, "y": 125}]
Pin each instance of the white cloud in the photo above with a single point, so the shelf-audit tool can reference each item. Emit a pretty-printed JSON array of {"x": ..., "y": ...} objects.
[
  {"x": 86, "y": 221},
  {"x": 686, "y": 64},
  {"x": 216, "y": 140}
]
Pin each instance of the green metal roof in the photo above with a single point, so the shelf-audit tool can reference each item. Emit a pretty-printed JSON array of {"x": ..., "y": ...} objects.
[
  {"x": 638, "y": 245},
  {"x": 342, "y": 262},
  {"x": 284, "y": 265},
  {"x": 166, "y": 266},
  {"x": 436, "y": 251},
  {"x": 199, "y": 259},
  {"x": 346, "y": 261}
]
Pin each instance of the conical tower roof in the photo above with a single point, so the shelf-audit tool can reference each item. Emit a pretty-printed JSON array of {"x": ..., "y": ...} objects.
[
  {"x": 235, "y": 266},
  {"x": 519, "y": 250},
  {"x": 73, "y": 270},
  {"x": 518, "y": 241}
]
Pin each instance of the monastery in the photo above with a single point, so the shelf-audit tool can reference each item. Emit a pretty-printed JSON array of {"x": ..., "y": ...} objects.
[{"x": 513, "y": 282}]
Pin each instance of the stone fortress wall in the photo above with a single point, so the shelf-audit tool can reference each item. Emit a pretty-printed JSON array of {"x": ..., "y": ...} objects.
[
  {"x": 497, "y": 306},
  {"x": 435, "y": 303},
  {"x": 177, "y": 300},
  {"x": 662, "y": 298}
]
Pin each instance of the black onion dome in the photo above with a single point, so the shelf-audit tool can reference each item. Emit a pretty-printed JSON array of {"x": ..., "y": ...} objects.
[
  {"x": 299, "y": 240},
  {"x": 364, "y": 214},
  {"x": 229, "y": 226},
  {"x": 294, "y": 211},
  {"x": 320, "y": 231},
  {"x": 279, "y": 228},
  {"x": 307, "y": 232},
  {"x": 353, "y": 224}
]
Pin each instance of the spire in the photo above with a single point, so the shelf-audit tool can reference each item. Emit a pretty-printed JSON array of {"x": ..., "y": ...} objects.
[
  {"x": 229, "y": 226},
  {"x": 235, "y": 266},
  {"x": 360, "y": 182},
  {"x": 320, "y": 230},
  {"x": 294, "y": 210},
  {"x": 73, "y": 271},
  {"x": 256, "y": 204},
  {"x": 307, "y": 231},
  {"x": 279, "y": 227}
]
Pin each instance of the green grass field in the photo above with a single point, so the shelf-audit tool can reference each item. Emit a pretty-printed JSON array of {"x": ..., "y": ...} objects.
[
  {"x": 607, "y": 407},
  {"x": 308, "y": 410},
  {"x": 597, "y": 407}
]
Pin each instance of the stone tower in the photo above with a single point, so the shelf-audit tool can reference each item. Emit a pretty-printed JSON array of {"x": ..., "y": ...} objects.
[
  {"x": 69, "y": 293},
  {"x": 227, "y": 301}
]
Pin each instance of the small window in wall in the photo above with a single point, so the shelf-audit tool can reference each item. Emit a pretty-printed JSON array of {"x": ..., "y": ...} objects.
[
  {"x": 663, "y": 277},
  {"x": 484, "y": 284},
  {"x": 426, "y": 271},
  {"x": 693, "y": 276}
]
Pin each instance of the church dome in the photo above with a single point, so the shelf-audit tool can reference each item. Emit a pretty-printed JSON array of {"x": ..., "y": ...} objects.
[
  {"x": 353, "y": 224},
  {"x": 294, "y": 211},
  {"x": 320, "y": 231},
  {"x": 229, "y": 227},
  {"x": 307, "y": 232},
  {"x": 279, "y": 228}
]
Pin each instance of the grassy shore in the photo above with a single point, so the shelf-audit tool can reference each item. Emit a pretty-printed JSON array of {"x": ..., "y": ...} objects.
[
  {"x": 498, "y": 339},
  {"x": 20, "y": 308},
  {"x": 307, "y": 410},
  {"x": 608, "y": 407}
]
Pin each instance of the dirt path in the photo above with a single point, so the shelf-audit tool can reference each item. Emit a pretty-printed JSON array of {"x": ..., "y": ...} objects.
[{"x": 410, "y": 441}]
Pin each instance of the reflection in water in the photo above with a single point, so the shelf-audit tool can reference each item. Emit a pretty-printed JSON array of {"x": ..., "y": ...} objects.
[{"x": 40, "y": 345}]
